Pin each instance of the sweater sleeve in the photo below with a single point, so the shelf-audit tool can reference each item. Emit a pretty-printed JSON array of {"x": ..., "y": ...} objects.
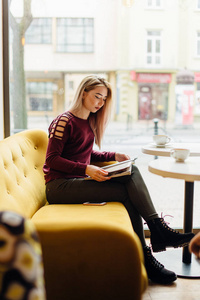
[
  {"x": 102, "y": 156},
  {"x": 58, "y": 136}
]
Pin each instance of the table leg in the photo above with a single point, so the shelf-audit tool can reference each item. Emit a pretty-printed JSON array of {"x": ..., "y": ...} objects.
[
  {"x": 188, "y": 217},
  {"x": 185, "y": 267}
]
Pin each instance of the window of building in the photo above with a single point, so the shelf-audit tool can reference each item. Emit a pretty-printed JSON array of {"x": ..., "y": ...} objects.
[
  {"x": 198, "y": 4},
  {"x": 198, "y": 44},
  {"x": 153, "y": 48},
  {"x": 154, "y": 4},
  {"x": 40, "y": 96},
  {"x": 71, "y": 85},
  {"x": 75, "y": 35},
  {"x": 39, "y": 31}
]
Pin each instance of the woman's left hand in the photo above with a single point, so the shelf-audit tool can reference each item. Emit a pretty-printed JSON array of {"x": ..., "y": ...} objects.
[{"x": 121, "y": 157}]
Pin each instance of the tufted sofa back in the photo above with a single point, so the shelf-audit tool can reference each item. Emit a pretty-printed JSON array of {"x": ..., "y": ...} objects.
[{"x": 22, "y": 186}]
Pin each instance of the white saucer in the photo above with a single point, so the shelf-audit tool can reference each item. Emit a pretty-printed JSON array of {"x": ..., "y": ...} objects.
[{"x": 162, "y": 146}]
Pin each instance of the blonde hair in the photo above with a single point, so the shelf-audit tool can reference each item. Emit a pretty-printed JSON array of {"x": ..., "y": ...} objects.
[{"x": 98, "y": 120}]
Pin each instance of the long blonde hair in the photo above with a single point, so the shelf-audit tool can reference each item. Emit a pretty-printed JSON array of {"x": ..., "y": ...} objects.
[{"x": 98, "y": 120}]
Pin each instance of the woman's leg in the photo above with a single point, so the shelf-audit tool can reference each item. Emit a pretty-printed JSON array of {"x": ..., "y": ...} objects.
[
  {"x": 162, "y": 235},
  {"x": 77, "y": 191}
]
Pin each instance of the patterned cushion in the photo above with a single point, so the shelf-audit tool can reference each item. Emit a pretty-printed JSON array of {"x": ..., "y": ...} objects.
[{"x": 21, "y": 266}]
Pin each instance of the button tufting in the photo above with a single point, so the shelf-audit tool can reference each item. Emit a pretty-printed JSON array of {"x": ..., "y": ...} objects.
[
  {"x": 35, "y": 168},
  {"x": 8, "y": 192},
  {"x": 35, "y": 147}
]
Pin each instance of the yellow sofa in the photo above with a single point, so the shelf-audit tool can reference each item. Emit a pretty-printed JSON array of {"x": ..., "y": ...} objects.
[{"x": 89, "y": 252}]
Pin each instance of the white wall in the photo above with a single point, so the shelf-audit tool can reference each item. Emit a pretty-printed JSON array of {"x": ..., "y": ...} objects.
[
  {"x": 1, "y": 79},
  {"x": 44, "y": 57}
]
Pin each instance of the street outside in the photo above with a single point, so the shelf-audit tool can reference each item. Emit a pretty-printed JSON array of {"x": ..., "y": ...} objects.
[{"x": 167, "y": 193}]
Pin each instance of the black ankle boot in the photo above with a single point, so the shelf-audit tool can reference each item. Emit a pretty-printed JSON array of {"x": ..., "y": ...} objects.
[
  {"x": 155, "y": 270},
  {"x": 163, "y": 236}
]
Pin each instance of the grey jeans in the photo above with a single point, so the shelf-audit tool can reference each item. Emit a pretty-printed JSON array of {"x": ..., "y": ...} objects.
[{"x": 129, "y": 190}]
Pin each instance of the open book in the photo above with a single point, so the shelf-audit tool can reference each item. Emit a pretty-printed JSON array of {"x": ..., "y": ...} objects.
[{"x": 119, "y": 169}]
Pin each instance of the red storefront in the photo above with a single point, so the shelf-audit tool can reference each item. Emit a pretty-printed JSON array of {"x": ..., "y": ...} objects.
[{"x": 152, "y": 94}]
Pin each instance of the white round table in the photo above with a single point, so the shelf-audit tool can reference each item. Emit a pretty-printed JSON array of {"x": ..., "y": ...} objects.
[
  {"x": 190, "y": 172},
  {"x": 152, "y": 149}
]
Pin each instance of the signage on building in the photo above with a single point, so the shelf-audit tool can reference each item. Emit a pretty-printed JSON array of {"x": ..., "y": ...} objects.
[
  {"x": 153, "y": 77},
  {"x": 197, "y": 77}
]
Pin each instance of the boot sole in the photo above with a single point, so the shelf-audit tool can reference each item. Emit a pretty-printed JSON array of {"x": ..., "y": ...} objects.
[
  {"x": 162, "y": 247},
  {"x": 164, "y": 281}
]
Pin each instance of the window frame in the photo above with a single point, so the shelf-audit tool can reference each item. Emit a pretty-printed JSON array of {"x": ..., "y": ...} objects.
[
  {"x": 43, "y": 94},
  {"x": 153, "y": 54},
  {"x": 67, "y": 27},
  {"x": 42, "y": 35},
  {"x": 6, "y": 86}
]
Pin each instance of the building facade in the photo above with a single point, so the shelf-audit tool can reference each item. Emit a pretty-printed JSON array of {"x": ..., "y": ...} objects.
[{"x": 140, "y": 49}]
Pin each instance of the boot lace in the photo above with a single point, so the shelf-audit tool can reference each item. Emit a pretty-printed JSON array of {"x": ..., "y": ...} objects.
[
  {"x": 165, "y": 225},
  {"x": 163, "y": 218},
  {"x": 153, "y": 260}
]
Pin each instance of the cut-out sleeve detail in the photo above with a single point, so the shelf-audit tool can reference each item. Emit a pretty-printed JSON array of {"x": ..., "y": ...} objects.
[{"x": 58, "y": 127}]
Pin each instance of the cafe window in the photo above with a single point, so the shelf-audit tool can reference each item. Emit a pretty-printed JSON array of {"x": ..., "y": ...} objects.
[
  {"x": 198, "y": 44},
  {"x": 40, "y": 96},
  {"x": 153, "y": 48},
  {"x": 75, "y": 35},
  {"x": 198, "y": 4},
  {"x": 39, "y": 31}
]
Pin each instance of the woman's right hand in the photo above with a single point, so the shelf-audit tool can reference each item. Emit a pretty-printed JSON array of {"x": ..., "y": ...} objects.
[{"x": 97, "y": 173}]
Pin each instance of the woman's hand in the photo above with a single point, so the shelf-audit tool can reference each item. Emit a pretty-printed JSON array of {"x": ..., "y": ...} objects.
[
  {"x": 121, "y": 157},
  {"x": 96, "y": 173}
]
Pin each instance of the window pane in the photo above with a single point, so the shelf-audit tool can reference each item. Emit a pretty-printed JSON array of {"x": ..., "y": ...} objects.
[
  {"x": 157, "y": 46},
  {"x": 75, "y": 35},
  {"x": 149, "y": 60},
  {"x": 158, "y": 3},
  {"x": 153, "y": 33},
  {"x": 39, "y": 31},
  {"x": 149, "y": 46},
  {"x": 157, "y": 60}
]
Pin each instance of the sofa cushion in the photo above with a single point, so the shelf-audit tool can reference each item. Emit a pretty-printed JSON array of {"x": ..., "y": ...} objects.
[{"x": 94, "y": 246}]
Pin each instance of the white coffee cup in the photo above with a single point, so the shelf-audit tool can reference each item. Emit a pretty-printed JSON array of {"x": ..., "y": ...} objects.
[
  {"x": 179, "y": 154},
  {"x": 161, "y": 139}
]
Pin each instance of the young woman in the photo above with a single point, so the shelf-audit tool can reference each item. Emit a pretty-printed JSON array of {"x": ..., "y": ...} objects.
[{"x": 68, "y": 161}]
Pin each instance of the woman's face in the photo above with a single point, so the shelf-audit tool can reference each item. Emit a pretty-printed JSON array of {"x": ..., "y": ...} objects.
[{"x": 94, "y": 99}]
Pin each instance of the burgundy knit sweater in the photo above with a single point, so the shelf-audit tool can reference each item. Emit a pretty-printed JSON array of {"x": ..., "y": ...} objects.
[{"x": 70, "y": 148}]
